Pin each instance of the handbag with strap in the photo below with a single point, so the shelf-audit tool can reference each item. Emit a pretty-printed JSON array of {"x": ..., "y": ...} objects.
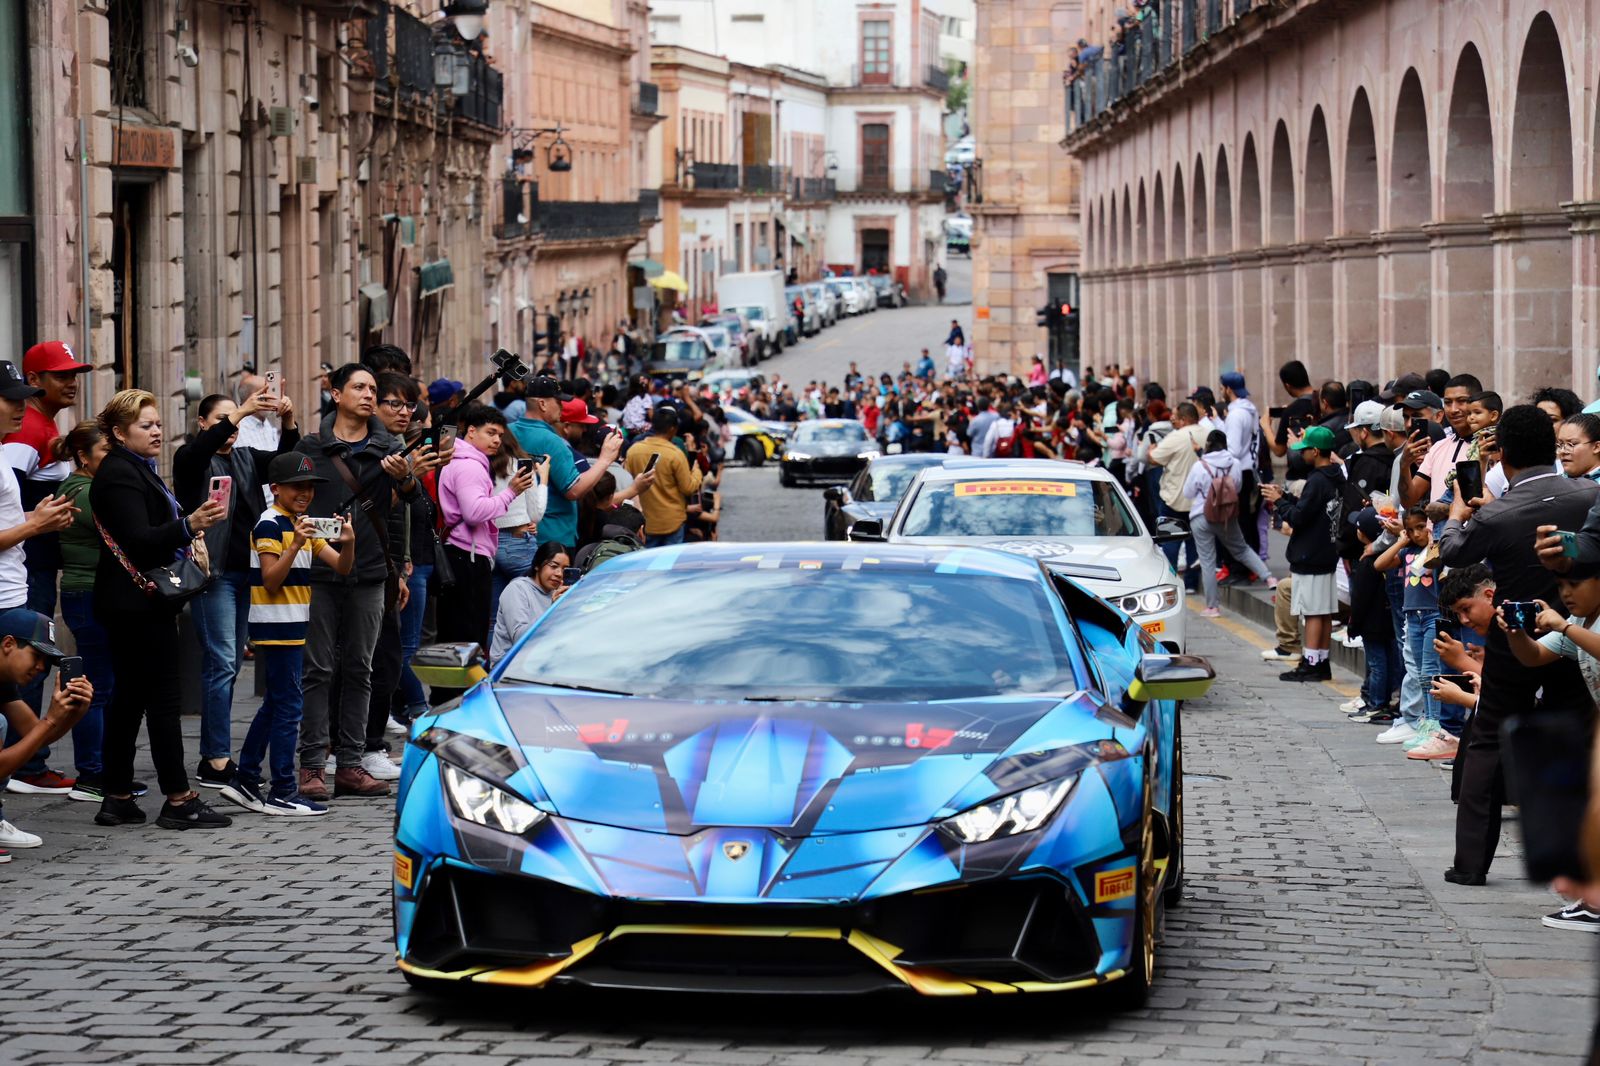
[
  {"x": 178, "y": 582},
  {"x": 391, "y": 581}
]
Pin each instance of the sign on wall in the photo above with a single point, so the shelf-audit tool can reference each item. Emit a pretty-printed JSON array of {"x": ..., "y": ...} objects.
[{"x": 144, "y": 146}]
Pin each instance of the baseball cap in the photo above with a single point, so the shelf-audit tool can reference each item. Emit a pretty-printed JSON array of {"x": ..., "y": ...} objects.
[
  {"x": 544, "y": 387},
  {"x": 441, "y": 390},
  {"x": 1204, "y": 395},
  {"x": 32, "y": 628},
  {"x": 1393, "y": 420},
  {"x": 1318, "y": 437},
  {"x": 1235, "y": 381},
  {"x": 1420, "y": 398},
  {"x": 12, "y": 387},
  {"x": 1368, "y": 413},
  {"x": 576, "y": 412},
  {"x": 52, "y": 357},
  {"x": 1401, "y": 386},
  {"x": 292, "y": 468},
  {"x": 1366, "y": 520}
]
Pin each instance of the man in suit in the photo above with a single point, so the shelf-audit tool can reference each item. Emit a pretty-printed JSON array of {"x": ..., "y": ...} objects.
[{"x": 1503, "y": 533}]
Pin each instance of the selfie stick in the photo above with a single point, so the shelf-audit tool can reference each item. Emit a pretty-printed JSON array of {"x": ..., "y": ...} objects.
[{"x": 506, "y": 364}]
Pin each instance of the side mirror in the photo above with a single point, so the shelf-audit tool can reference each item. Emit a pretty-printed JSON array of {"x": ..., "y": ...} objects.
[
  {"x": 834, "y": 494},
  {"x": 1171, "y": 677},
  {"x": 1167, "y": 529},
  {"x": 867, "y": 529}
]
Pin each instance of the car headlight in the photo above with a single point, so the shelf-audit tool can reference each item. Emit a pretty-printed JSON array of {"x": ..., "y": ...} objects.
[
  {"x": 488, "y": 805},
  {"x": 1020, "y": 812},
  {"x": 1151, "y": 600},
  {"x": 797, "y": 455}
]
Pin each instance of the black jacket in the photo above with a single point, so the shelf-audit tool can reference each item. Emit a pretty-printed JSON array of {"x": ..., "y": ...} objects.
[
  {"x": 1314, "y": 519},
  {"x": 133, "y": 503},
  {"x": 197, "y": 462},
  {"x": 1371, "y": 469},
  {"x": 335, "y": 496}
]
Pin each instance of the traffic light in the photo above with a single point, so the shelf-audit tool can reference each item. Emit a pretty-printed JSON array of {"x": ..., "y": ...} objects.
[{"x": 1048, "y": 316}]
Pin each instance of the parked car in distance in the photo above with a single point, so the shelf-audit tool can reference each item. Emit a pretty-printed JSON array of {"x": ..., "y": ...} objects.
[
  {"x": 682, "y": 353},
  {"x": 810, "y": 313},
  {"x": 759, "y": 296},
  {"x": 849, "y": 297},
  {"x": 887, "y": 292},
  {"x": 827, "y": 302},
  {"x": 736, "y": 324}
]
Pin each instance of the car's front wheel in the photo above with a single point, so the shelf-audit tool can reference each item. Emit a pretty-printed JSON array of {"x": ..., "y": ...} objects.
[
  {"x": 1132, "y": 989},
  {"x": 750, "y": 452}
]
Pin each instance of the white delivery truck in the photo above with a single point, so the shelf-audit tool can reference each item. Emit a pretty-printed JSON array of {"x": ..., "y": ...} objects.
[{"x": 759, "y": 295}]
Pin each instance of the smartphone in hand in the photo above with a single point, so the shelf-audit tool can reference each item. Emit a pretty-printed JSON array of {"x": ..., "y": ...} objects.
[
  {"x": 1462, "y": 681},
  {"x": 1469, "y": 480},
  {"x": 525, "y": 466},
  {"x": 274, "y": 384},
  {"x": 70, "y": 668},
  {"x": 447, "y": 437},
  {"x": 571, "y": 574},
  {"x": 221, "y": 491},
  {"x": 651, "y": 465},
  {"x": 1569, "y": 543}
]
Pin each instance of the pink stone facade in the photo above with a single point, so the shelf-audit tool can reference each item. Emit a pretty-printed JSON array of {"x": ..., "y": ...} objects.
[{"x": 1369, "y": 188}]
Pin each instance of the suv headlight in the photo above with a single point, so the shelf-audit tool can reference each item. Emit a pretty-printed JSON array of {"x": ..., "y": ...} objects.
[
  {"x": 488, "y": 805},
  {"x": 1020, "y": 812},
  {"x": 1151, "y": 600},
  {"x": 801, "y": 456}
]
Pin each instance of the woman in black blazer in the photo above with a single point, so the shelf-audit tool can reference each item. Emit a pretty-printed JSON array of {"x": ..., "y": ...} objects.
[{"x": 140, "y": 514}]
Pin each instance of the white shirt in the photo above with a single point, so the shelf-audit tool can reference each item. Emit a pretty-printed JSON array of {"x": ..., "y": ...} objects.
[
  {"x": 526, "y": 509},
  {"x": 13, "y": 570},
  {"x": 999, "y": 431},
  {"x": 258, "y": 431}
]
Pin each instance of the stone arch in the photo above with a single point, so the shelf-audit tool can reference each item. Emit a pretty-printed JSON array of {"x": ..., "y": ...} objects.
[
  {"x": 1409, "y": 180},
  {"x": 1141, "y": 228},
  {"x": 1222, "y": 209},
  {"x": 1469, "y": 142},
  {"x": 1541, "y": 129},
  {"x": 1115, "y": 233},
  {"x": 1280, "y": 202},
  {"x": 1318, "y": 181},
  {"x": 1130, "y": 253},
  {"x": 1180, "y": 216},
  {"x": 1249, "y": 196},
  {"x": 1158, "y": 224},
  {"x": 1360, "y": 169},
  {"x": 1178, "y": 347},
  {"x": 1200, "y": 283},
  {"x": 1199, "y": 214},
  {"x": 1539, "y": 329}
]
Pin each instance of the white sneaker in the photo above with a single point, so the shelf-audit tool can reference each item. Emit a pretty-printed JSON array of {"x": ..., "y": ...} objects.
[
  {"x": 1352, "y": 706},
  {"x": 12, "y": 837},
  {"x": 1351, "y": 641},
  {"x": 1278, "y": 655},
  {"x": 396, "y": 726},
  {"x": 1402, "y": 730},
  {"x": 378, "y": 765}
]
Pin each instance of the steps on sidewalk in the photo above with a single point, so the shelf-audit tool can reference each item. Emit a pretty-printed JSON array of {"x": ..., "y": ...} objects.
[{"x": 1254, "y": 604}]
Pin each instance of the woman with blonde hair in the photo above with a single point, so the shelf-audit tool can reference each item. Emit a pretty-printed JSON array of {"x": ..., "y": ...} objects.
[{"x": 141, "y": 527}]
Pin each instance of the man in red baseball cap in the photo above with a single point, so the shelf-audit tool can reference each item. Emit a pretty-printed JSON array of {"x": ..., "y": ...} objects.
[{"x": 53, "y": 370}]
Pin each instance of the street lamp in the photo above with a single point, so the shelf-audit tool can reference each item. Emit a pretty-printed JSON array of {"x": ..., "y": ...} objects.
[
  {"x": 467, "y": 15},
  {"x": 558, "y": 157},
  {"x": 585, "y": 302}
]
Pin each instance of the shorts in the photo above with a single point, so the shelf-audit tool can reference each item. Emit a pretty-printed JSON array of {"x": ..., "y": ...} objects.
[{"x": 1314, "y": 594}]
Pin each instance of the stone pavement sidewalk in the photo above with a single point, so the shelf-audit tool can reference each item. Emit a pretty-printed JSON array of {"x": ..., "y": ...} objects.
[{"x": 1316, "y": 929}]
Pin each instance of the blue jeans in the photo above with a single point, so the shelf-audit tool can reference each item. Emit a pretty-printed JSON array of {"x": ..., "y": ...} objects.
[
  {"x": 221, "y": 617},
  {"x": 1385, "y": 670},
  {"x": 77, "y": 610},
  {"x": 411, "y": 690},
  {"x": 277, "y": 721},
  {"x": 1422, "y": 662},
  {"x": 513, "y": 558},
  {"x": 661, "y": 540}
]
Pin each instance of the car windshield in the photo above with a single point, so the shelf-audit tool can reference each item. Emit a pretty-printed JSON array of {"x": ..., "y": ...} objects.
[
  {"x": 718, "y": 337},
  {"x": 754, "y": 314},
  {"x": 878, "y": 282},
  {"x": 1019, "y": 507},
  {"x": 954, "y": 635},
  {"x": 810, "y": 431},
  {"x": 890, "y": 482},
  {"x": 680, "y": 350}
]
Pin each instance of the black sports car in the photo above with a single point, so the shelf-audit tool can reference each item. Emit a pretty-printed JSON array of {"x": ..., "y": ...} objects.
[
  {"x": 874, "y": 493},
  {"x": 828, "y": 448}
]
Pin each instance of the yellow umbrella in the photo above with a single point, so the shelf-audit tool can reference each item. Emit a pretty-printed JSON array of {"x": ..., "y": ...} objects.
[{"x": 669, "y": 279}]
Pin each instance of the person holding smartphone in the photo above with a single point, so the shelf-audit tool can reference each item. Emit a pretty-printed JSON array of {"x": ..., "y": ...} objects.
[
  {"x": 666, "y": 501},
  {"x": 518, "y": 528},
  {"x": 526, "y": 598},
  {"x": 27, "y": 651}
]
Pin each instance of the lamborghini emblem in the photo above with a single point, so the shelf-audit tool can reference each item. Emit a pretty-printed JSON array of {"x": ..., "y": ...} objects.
[{"x": 736, "y": 849}]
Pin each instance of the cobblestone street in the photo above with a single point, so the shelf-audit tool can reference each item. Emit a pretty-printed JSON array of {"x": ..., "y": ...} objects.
[{"x": 1317, "y": 927}]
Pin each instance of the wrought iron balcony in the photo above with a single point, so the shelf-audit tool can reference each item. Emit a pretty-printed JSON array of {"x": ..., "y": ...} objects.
[
  {"x": 649, "y": 205},
  {"x": 815, "y": 189},
  {"x": 515, "y": 217},
  {"x": 648, "y": 102},
  {"x": 936, "y": 77},
  {"x": 717, "y": 176},
  {"x": 938, "y": 181},
  {"x": 485, "y": 91},
  {"x": 577, "y": 220},
  {"x": 413, "y": 54},
  {"x": 765, "y": 179}
]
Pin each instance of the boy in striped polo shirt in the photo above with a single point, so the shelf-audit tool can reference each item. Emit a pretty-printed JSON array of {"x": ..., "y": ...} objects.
[{"x": 281, "y": 551}]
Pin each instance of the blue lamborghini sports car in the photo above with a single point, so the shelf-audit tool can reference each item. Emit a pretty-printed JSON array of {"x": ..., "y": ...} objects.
[{"x": 803, "y": 768}]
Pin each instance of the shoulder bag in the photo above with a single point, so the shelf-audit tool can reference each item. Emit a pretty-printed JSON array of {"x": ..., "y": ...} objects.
[
  {"x": 391, "y": 581},
  {"x": 178, "y": 582}
]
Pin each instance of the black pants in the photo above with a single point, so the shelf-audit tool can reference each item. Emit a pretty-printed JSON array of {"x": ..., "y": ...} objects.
[
  {"x": 386, "y": 665},
  {"x": 464, "y": 606},
  {"x": 144, "y": 661},
  {"x": 1250, "y": 511}
]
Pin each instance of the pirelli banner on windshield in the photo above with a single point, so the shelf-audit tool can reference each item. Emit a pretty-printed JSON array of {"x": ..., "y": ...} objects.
[{"x": 1016, "y": 488}]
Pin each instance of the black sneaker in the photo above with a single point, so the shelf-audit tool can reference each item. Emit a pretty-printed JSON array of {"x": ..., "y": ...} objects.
[
  {"x": 1574, "y": 916},
  {"x": 1456, "y": 877},
  {"x": 1383, "y": 716},
  {"x": 206, "y": 775},
  {"x": 1364, "y": 713},
  {"x": 1323, "y": 671},
  {"x": 193, "y": 813},
  {"x": 119, "y": 812}
]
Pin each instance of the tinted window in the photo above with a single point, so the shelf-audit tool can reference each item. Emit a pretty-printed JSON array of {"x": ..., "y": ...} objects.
[
  {"x": 890, "y": 482},
  {"x": 1027, "y": 507},
  {"x": 831, "y": 431},
  {"x": 681, "y": 350},
  {"x": 954, "y": 635}
]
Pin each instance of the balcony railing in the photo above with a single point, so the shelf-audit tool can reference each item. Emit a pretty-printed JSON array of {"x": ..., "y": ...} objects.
[
  {"x": 485, "y": 91},
  {"x": 936, "y": 77},
  {"x": 576, "y": 220},
  {"x": 413, "y": 54},
  {"x": 765, "y": 179},
  {"x": 716, "y": 176},
  {"x": 1145, "y": 49},
  {"x": 648, "y": 101},
  {"x": 938, "y": 182},
  {"x": 649, "y": 205},
  {"x": 894, "y": 181},
  {"x": 515, "y": 220},
  {"x": 378, "y": 47},
  {"x": 814, "y": 189}
]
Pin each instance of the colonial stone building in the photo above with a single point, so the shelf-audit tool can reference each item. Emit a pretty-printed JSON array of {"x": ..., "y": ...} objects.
[{"x": 1370, "y": 188}]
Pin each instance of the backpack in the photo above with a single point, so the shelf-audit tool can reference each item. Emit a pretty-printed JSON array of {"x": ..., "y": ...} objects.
[
  {"x": 1222, "y": 498},
  {"x": 608, "y": 549}
]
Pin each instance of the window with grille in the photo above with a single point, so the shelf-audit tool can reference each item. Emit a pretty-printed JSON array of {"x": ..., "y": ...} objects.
[
  {"x": 125, "y": 21},
  {"x": 875, "y": 155},
  {"x": 875, "y": 49}
]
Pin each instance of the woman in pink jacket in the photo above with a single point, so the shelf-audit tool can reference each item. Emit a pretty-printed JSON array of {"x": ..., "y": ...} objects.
[{"x": 468, "y": 506}]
